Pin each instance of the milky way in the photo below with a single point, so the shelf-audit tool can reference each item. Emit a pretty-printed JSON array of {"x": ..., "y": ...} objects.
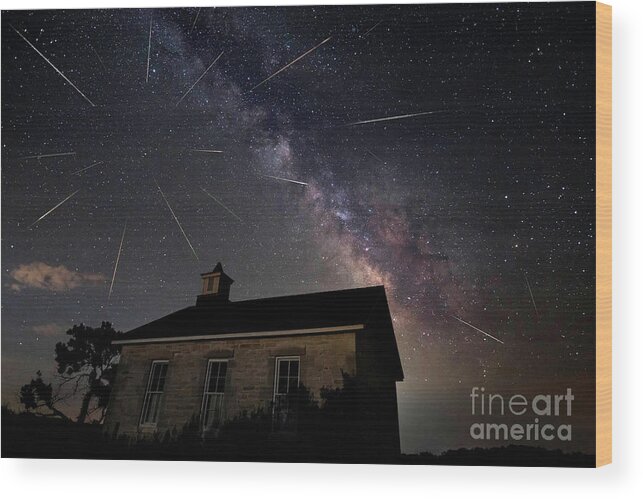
[{"x": 474, "y": 207}]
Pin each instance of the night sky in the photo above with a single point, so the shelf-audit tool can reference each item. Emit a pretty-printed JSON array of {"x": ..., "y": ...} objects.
[{"x": 480, "y": 209}]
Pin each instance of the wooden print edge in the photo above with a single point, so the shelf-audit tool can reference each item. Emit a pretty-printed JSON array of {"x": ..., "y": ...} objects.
[{"x": 603, "y": 234}]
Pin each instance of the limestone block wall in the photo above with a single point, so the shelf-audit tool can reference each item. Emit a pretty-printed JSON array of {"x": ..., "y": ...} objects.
[{"x": 249, "y": 380}]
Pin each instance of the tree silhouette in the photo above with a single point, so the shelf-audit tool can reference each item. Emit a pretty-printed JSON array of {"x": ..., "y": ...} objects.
[
  {"x": 86, "y": 364},
  {"x": 39, "y": 396}
]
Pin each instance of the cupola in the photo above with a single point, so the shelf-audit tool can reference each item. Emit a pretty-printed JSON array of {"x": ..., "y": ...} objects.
[{"x": 215, "y": 286}]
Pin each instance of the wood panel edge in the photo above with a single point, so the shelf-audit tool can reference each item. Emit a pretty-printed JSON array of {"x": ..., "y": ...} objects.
[{"x": 603, "y": 234}]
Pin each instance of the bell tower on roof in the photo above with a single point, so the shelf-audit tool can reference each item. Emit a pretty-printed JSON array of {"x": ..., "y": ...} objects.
[{"x": 215, "y": 286}]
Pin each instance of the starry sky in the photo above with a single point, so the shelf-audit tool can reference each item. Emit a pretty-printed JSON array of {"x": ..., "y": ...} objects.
[{"x": 477, "y": 213}]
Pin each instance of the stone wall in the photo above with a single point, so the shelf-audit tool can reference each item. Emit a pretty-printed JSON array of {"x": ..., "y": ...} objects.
[{"x": 249, "y": 381}]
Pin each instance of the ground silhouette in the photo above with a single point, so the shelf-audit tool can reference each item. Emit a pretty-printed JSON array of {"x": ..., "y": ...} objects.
[{"x": 249, "y": 437}]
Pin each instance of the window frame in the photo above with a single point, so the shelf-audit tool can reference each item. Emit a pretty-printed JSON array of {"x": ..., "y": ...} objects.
[
  {"x": 276, "y": 381},
  {"x": 215, "y": 279},
  {"x": 148, "y": 392},
  {"x": 206, "y": 393}
]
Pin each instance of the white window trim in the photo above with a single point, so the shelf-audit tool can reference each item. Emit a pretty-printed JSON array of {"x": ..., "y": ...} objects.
[
  {"x": 205, "y": 386},
  {"x": 276, "y": 382},
  {"x": 147, "y": 392}
]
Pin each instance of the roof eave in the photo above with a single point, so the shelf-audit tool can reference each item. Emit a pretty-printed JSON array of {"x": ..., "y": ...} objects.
[{"x": 239, "y": 335}]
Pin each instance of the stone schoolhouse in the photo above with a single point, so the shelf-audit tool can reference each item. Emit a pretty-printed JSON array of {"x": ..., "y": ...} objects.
[{"x": 219, "y": 358}]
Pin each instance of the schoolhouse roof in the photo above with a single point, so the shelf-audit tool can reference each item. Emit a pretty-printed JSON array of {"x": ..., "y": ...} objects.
[{"x": 324, "y": 311}]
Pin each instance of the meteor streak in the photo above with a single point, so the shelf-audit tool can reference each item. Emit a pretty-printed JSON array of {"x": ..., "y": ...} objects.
[
  {"x": 478, "y": 329},
  {"x": 52, "y": 65},
  {"x": 176, "y": 220},
  {"x": 371, "y": 29},
  {"x": 99, "y": 58},
  {"x": 87, "y": 167},
  {"x": 376, "y": 157},
  {"x": 212, "y": 151},
  {"x": 199, "y": 79},
  {"x": 195, "y": 18},
  {"x": 290, "y": 63},
  {"x": 389, "y": 118},
  {"x": 532, "y": 296},
  {"x": 286, "y": 180},
  {"x": 222, "y": 205},
  {"x": 149, "y": 47},
  {"x": 39, "y": 156},
  {"x": 59, "y": 204},
  {"x": 118, "y": 257}
]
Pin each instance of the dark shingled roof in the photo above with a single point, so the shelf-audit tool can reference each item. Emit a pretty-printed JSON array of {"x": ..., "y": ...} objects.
[
  {"x": 367, "y": 306},
  {"x": 315, "y": 310}
]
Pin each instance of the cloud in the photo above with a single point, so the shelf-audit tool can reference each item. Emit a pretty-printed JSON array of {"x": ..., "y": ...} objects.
[
  {"x": 39, "y": 275},
  {"x": 49, "y": 329}
]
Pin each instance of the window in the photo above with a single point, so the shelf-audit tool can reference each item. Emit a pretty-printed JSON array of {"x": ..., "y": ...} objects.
[
  {"x": 286, "y": 382},
  {"x": 287, "y": 375},
  {"x": 212, "y": 412},
  {"x": 211, "y": 284},
  {"x": 154, "y": 393}
]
